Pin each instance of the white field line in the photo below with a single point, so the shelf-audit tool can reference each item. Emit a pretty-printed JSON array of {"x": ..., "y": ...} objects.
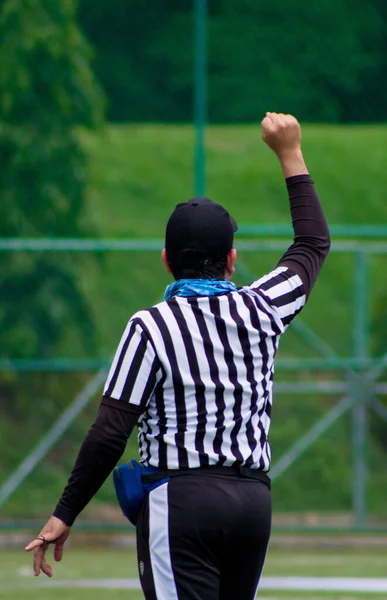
[{"x": 332, "y": 584}]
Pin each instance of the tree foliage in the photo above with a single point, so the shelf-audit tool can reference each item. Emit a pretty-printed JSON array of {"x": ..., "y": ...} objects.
[
  {"x": 324, "y": 61},
  {"x": 46, "y": 88}
]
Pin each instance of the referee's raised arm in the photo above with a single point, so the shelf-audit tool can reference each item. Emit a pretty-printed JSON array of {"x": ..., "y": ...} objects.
[{"x": 282, "y": 133}]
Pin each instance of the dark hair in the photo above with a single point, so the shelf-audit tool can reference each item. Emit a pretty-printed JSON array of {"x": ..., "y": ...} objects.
[{"x": 192, "y": 263}]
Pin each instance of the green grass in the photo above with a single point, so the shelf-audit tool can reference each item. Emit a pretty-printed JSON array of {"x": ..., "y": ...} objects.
[
  {"x": 137, "y": 173},
  {"x": 92, "y": 563},
  {"x": 105, "y": 594}
]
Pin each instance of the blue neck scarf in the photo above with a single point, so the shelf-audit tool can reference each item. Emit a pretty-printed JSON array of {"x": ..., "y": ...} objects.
[{"x": 199, "y": 287}]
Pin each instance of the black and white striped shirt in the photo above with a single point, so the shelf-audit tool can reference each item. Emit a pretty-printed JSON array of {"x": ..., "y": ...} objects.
[
  {"x": 201, "y": 370},
  {"x": 196, "y": 374}
]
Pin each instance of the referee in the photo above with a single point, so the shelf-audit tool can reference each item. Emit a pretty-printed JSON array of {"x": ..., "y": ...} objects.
[{"x": 195, "y": 374}]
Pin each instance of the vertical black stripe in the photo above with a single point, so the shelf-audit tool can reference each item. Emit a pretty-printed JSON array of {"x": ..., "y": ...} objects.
[
  {"x": 260, "y": 301},
  {"x": 264, "y": 352},
  {"x": 159, "y": 405},
  {"x": 143, "y": 427},
  {"x": 134, "y": 368},
  {"x": 116, "y": 373},
  {"x": 162, "y": 425},
  {"x": 248, "y": 359},
  {"x": 232, "y": 373},
  {"x": 193, "y": 364},
  {"x": 150, "y": 384},
  {"x": 214, "y": 375},
  {"x": 178, "y": 387}
]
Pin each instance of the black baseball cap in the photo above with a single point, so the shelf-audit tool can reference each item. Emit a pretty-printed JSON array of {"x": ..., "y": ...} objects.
[{"x": 202, "y": 225}]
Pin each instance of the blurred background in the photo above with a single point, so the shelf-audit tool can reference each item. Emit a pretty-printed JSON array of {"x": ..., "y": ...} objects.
[{"x": 113, "y": 112}]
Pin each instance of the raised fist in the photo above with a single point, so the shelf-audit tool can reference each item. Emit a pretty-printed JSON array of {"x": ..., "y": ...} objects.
[{"x": 282, "y": 133}]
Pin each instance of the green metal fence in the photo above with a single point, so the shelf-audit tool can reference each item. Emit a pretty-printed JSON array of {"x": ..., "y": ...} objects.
[{"x": 355, "y": 379}]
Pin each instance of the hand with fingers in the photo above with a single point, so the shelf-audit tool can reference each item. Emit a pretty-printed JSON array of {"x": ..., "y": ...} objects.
[
  {"x": 282, "y": 133},
  {"x": 54, "y": 532}
]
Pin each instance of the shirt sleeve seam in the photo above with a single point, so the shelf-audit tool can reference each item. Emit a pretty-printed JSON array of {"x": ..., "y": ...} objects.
[{"x": 118, "y": 404}]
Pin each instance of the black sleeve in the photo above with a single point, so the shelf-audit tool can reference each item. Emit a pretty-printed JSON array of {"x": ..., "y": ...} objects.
[
  {"x": 311, "y": 234},
  {"x": 101, "y": 450}
]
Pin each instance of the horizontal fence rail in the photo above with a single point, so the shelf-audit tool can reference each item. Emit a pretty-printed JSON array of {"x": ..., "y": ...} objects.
[
  {"x": 154, "y": 245},
  {"x": 362, "y": 232}
]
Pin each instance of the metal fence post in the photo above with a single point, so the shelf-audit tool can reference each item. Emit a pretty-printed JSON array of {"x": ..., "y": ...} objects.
[
  {"x": 200, "y": 94},
  {"x": 360, "y": 390}
]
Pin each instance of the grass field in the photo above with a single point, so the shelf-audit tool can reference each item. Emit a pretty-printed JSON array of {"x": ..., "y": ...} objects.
[
  {"x": 138, "y": 173},
  {"x": 17, "y": 582}
]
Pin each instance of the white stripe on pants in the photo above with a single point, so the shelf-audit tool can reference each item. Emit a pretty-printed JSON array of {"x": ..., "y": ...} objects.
[{"x": 159, "y": 544}]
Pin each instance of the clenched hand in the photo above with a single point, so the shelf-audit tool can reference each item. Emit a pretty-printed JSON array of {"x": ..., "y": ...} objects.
[{"x": 282, "y": 133}]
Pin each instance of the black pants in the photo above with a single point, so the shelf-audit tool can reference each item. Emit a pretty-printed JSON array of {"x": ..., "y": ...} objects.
[{"x": 203, "y": 537}]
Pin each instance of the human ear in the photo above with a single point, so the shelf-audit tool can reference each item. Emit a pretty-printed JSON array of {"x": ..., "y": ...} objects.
[
  {"x": 164, "y": 260},
  {"x": 231, "y": 258}
]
